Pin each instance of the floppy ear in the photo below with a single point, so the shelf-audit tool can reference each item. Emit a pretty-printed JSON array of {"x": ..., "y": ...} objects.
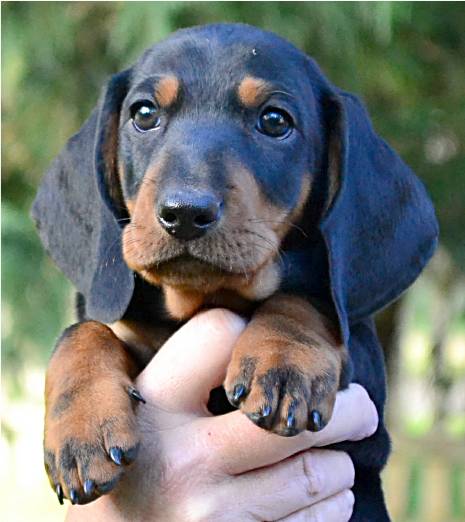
[
  {"x": 380, "y": 228},
  {"x": 77, "y": 215}
]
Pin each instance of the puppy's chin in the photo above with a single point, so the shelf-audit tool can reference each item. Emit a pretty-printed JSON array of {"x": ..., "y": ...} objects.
[
  {"x": 189, "y": 274},
  {"x": 190, "y": 285}
]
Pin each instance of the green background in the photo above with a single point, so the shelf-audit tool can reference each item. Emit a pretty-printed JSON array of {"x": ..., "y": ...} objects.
[{"x": 406, "y": 60}]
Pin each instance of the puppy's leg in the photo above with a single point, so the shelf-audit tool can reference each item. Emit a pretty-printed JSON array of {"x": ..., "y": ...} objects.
[
  {"x": 90, "y": 427},
  {"x": 286, "y": 367}
]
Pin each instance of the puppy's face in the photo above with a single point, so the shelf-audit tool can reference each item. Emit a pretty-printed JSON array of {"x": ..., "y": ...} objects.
[{"x": 215, "y": 163}]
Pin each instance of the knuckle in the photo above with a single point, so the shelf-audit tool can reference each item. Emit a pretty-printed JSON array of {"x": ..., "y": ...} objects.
[
  {"x": 370, "y": 419},
  {"x": 346, "y": 504},
  {"x": 221, "y": 319},
  {"x": 373, "y": 424},
  {"x": 311, "y": 474},
  {"x": 350, "y": 480}
]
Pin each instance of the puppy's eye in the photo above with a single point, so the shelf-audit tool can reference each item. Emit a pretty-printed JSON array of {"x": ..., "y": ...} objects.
[
  {"x": 275, "y": 122},
  {"x": 145, "y": 116}
]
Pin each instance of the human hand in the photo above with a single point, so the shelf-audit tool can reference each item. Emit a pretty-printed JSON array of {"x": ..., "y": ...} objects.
[{"x": 193, "y": 466}]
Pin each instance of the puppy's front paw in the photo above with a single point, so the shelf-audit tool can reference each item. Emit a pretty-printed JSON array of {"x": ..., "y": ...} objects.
[
  {"x": 90, "y": 436},
  {"x": 90, "y": 423},
  {"x": 282, "y": 392},
  {"x": 286, "y": 367}
]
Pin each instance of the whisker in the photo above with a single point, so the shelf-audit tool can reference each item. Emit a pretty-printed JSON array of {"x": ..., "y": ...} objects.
[
  {"x": 293, "y": 225},
  {"x": 271, "y": 247},
  {"x": 108, "y": 254},
  {"x": 274, "y": 248},
  {"x": 244, "y": 271}
]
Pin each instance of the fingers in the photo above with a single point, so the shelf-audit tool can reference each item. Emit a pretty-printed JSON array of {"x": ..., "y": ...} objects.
[
  {"x": 191, "y": 362},
  {"x": 294, "y": 484},
  {"x": 241, "y": 446},
  {"x": 334, "y": 509}
]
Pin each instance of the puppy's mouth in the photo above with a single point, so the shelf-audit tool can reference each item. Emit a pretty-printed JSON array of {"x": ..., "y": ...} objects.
[
  {"x": 189, "y": 266},
  {"x": 205, "y": 264},
  {"x": 199, "y": 273},
  {"x": 190, "y": 283}
]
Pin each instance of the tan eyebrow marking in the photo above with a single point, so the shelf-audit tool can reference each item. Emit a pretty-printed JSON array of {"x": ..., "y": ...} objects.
[
  {"x": 253, "y": 91},
  {"x": 167, "y": 90}
]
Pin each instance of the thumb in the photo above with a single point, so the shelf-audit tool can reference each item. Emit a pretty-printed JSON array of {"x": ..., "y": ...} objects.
[{"x": 192, "y": 362}]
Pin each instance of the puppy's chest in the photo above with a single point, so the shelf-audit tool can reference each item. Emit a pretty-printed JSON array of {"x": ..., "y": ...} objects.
[
  {"x": 181, "y": 304},
  {"x": 144, "y": 333}
]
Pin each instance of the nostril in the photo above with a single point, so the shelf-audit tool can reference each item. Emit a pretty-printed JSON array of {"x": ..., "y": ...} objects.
[
  {"x": 204, "y": 220},
  {"x": 169, "y": 217}
]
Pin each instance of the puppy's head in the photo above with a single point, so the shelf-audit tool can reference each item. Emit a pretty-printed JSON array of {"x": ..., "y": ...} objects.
[
  {"x": 202, "y": 161},
  {"x": 215, "y": 160}
]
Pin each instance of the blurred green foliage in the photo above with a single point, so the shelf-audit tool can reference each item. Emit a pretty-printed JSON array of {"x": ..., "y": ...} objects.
[{"x": 405, "y": 59}]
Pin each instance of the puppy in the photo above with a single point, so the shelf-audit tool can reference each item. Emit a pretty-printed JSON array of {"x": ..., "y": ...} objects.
[{"x": 224, "y": 169}]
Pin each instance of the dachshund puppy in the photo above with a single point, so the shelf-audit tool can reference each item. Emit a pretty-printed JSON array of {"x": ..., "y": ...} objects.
[{"x": 224, "y": 169}]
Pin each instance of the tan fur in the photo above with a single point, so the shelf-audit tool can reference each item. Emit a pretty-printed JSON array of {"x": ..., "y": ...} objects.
[
  {"x": 130, "y": 206},
  {"x": 111, "y": 172},
  {"x": 140, "y": 235},
  {"x": 334, "y": 169},
  {"x": 143, "y": 340},
  {"x": 250, "y": 237},
  {"x": 166, "y": 91},
  {"x": 304, "y": 194},
  {"x": 286, "y": 334},
  {"x": 264, "y": 283},
  {"x": 87, "y": 404},
  {"x": 241, "y": 253},
  {"x": 182, "y": 304},
  {"x": 252, "y": 92}
]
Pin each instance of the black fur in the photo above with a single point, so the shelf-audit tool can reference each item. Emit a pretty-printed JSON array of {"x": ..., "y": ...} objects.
[{"x": 353, "y": 257}]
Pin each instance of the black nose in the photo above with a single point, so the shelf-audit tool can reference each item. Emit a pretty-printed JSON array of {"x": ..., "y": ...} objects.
[{"x": 188, "y": 215}]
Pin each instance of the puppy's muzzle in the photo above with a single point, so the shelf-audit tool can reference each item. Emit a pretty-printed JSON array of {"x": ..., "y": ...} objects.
[{"x": 189, "y": 215}]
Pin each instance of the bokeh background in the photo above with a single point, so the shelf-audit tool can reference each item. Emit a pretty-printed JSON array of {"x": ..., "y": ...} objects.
[{"x": 406, "y": 60}]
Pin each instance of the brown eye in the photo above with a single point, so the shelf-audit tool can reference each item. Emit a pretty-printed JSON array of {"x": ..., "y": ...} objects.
[
  {"x": 145, "y": 116},
  {"x": 275, "y": 122}
]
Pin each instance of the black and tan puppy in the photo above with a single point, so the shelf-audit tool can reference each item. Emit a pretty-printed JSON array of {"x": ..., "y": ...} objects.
[{"x": 224, "y": 169}]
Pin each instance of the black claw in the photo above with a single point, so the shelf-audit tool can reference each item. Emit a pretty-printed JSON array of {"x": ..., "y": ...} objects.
[
  {"x": 107, "y": 486},
  {"x": 238, "y": 394},
  {"x": 116, "y": 455},
  {"x": 130, "y": 454},
  {"x": 59, "y": 492},
  {"x": 135, "y": 394},
  {"x": 261, "y": 418},
  {"x": 266, "y": 411},
  {"x": 89, "y": 486},
  {"x": 73, "y": 496},
  {"x": 315, "y": 422},
  {"x": 290, "y": 424}
]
